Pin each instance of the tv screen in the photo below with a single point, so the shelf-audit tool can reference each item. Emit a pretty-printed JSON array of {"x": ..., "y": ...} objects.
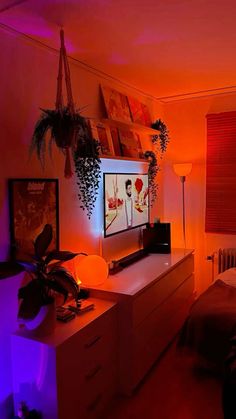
[{"x": 126, "y": 201}]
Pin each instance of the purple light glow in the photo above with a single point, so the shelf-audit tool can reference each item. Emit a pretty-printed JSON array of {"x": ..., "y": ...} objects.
[
  {"x": 8, "y": 308},
  {"x": 32, "y": 26},
  {"x": 34, "y": 375}
]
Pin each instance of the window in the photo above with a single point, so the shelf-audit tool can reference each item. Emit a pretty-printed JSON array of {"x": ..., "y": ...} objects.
[{"x": 221, "y": 173}]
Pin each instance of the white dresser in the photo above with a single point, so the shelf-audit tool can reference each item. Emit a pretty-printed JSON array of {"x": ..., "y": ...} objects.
[
  {"x": 154, "y": 296},
  {"x": 73, "y": 372}
]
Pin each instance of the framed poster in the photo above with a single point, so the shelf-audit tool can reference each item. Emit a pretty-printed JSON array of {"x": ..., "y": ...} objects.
[
  {"x": 130, "y": 144},
  {"x": 101, "y": 132},
  {"x": 139, "y": 112},
  {"x": 116, "y": 103},
  {"x": 116, "y": 141},
  {"x": 33, "y": 203}
]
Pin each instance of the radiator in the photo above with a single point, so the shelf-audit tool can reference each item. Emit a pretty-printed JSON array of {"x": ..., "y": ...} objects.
[{"x": 226, "y": 259}]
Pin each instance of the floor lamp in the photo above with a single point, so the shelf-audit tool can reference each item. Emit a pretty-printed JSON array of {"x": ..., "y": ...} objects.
[{"x": 182, "y": 170}]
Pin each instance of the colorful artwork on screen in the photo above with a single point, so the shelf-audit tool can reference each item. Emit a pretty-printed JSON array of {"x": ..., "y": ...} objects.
[{"x": 126, "y": 201}]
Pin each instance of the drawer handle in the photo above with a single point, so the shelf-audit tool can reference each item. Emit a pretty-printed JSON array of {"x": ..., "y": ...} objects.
[
  {"x": 94, "y": 403},
  {"x": 92, "y": 342},
  {"x": 93, "y": 372}
]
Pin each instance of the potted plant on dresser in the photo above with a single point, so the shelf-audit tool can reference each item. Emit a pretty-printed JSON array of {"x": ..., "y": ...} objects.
[{"x": 48, "y": 280}]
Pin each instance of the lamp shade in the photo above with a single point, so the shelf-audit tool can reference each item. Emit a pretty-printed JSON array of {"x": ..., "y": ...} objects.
[
  {"x": 182, "y": 169},
  {"x": 91, "y": 270}
]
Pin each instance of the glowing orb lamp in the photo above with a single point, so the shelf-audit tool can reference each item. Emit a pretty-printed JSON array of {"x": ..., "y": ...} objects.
[{"x": 92, "y": 270}]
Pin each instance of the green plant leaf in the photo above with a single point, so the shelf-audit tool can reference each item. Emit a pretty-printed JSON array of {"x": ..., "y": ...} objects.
[
  {"x": 56, "y": 286},
  {"x": 29, "y": 266},
  {"x": 39, "y": 136},
  {"x": 62, "y": 255},
  {"x": 43, "y": 241},
  {"x": 32, "y": 300},
  {"x": 63, "y": 277},
  {"x": 11, "y": 268}
]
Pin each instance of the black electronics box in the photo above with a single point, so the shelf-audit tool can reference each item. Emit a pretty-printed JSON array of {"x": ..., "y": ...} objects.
[{"x": 156, "y": 239}]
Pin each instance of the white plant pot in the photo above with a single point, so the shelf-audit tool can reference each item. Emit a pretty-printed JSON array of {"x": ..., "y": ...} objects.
[{"x": 44, "y": 323}]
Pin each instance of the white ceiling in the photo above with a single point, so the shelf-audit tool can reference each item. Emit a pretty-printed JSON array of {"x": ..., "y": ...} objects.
[{"x": 165, "y": 48}]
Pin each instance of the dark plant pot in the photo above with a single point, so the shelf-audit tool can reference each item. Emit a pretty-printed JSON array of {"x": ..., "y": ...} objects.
[{"x": 64, "y": 134}]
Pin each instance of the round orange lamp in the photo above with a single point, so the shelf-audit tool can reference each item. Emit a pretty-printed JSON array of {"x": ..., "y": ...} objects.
[
  {"x": 182, "y": 169},
  {"x": 92, "y": 270}
]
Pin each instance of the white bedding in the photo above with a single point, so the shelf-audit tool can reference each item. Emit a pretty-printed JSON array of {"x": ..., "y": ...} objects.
[{"x": 228, "y": 277}]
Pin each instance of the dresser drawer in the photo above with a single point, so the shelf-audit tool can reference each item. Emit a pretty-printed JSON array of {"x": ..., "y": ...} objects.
[
  {"x": 85, "y": 364},
  {"x": 159, "y": 328},
  {"x": 94, "y": 342},
  {"x": 156, "y": 294},
  {"x": 88, "y": 400},
  {"x": 157, "y": 319},
  {"x": 99, "y": 392}
]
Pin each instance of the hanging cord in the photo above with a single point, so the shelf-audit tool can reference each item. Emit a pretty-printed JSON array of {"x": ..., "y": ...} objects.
[{"x": 70, "y": 104}]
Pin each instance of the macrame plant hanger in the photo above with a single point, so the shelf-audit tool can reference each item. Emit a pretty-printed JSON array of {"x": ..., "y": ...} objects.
[{"x": 68, "y": 140}]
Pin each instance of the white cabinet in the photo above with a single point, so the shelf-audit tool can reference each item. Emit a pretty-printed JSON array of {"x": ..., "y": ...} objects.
[
  {"x": 73, "y": 372},
  {"x": 154, "y": 297}
]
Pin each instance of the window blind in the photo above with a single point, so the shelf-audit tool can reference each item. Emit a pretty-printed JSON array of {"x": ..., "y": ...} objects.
[{"x": 220, "y": 216}]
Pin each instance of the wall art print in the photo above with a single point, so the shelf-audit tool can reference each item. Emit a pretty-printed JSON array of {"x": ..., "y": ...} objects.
[
  {"x": 130, "y": 144},
  {"x": 116, "y": 141},
  {"x": 33, "y": 203},
  {"x": 116, "y": 104},
  {"x": 139, "y": 112},
  {"x": 101, "y": 132}
]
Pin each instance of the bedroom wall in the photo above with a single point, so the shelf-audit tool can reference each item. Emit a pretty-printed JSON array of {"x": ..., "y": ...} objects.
[
  {"x": 187, "y": 124},
  {"x": 28, "y": 81}
]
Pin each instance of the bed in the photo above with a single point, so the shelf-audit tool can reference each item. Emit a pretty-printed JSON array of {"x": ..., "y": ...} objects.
[{"x": 211, "y": 323}]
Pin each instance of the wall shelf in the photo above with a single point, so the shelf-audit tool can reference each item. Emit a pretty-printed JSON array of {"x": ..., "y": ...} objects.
[
  {"x": 124, "y": 158},
  {"x": 131, "y": 125}
]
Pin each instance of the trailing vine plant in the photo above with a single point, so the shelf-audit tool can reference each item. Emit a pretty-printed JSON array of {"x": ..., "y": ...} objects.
[
  {"x": 87, "y": 167},
  {"x": 153, "y": 169},
  {"x": 163, "y": 137},
  {"x": 160, "y": 142}
]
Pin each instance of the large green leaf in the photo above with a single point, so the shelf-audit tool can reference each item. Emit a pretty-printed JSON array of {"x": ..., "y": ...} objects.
[
  {"x": 32, "y": 300},
  {"x": 43, "y": 241},
  {"x": 63, "y": 277},
  {"x": 62, "y": 255},
  {"x": 55, "y": 285},
  {"x": 39, "y": 136},
  {"x": 8, "y": 269}
]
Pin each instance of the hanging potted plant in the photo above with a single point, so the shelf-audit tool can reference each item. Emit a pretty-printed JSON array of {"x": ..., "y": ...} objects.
[
  {"x": 69, "y": 130},
  {"x": 62, "y": 126}
]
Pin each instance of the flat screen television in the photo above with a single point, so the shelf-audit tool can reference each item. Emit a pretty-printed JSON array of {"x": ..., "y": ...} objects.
[{"x": 126, "y": 201}]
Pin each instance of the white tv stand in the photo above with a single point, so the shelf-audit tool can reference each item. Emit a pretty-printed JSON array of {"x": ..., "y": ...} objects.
[{"x": 154, "y": 296}]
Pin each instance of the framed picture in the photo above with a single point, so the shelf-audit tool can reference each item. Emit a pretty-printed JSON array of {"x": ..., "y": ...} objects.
[
  {"x": 130, "y": 144},
  {"x": 101, "y": 132},
  {"x": 139, "y": 112},
  {"x": 116, "y": 104},
  {"x": 116, "y": 141},
  {"x": 33, "y": 203}
]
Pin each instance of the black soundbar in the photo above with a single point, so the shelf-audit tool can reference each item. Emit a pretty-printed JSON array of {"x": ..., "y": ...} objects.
[{"x": 133, "y": 257}]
